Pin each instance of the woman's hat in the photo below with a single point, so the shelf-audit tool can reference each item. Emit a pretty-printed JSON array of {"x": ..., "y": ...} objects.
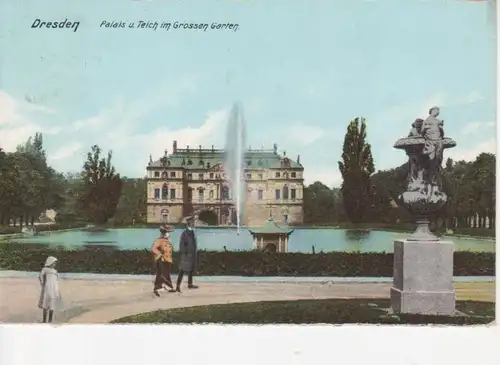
[{"x": 166, "y": 228}]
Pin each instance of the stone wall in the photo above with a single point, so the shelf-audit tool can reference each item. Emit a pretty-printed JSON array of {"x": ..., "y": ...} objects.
[
  {"x": 155, "y": 213},
  {"x": 257, "y": 214}
]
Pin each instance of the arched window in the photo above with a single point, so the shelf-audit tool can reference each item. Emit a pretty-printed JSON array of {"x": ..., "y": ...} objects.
[
  {"x": 285, "y": 192},
  {"x": 164, "y": 192},
  {"x": 190, "y": 194}
]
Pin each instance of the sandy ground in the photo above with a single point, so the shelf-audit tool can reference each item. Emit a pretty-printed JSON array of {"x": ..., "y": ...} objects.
[{"x": 92, "y": 301}]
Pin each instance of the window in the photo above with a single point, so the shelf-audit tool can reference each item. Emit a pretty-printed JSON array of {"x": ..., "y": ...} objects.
[
  {"x": 172, "y": 193},
  {"x": 285, "y": 192},
  {"x": 293, "y": 194},
  {"x": 225, "y": 193},
  {"x": 190, "y": 195},
  {"x": 164, "y": 192},
  {"x": 157, "y": 193},
  {"x": 260, "y": 194},
  {"x": 261, "y": 176},
  {"x": 200, "y": 176},
  {"x": 278, "y": 194},
  {"x": 249, "y": 176},
  {"x": 172, "y": 174},
  {"x": 211, "y": 194},
  {"x": 293, "y": 175},
  {"x": 157, "y": 173},
  {"x": 190, "y": 176},
  {"x": 277, "y": 174},
  {"x": 190, "y": 162},
  {"x": 211, "y": 175},
  {"x": 201, "y": 195},
  {"x": 164, "y": 174}
]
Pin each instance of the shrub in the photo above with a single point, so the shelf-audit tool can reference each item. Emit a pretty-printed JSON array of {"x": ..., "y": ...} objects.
[
  {"x": 60, "y": 226},
  {"x": 107, "y": 260},
  {"x": 10, "y": 230}
]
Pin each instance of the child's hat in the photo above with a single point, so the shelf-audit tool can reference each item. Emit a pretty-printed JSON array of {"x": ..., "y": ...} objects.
[{"x": 50, "y": 261}]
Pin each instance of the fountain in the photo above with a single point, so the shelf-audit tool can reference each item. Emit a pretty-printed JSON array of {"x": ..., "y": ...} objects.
[{"x": 235, "y": 142}]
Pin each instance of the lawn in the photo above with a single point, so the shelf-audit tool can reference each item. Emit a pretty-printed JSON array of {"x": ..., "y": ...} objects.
[{"x": 331, "y": 311}]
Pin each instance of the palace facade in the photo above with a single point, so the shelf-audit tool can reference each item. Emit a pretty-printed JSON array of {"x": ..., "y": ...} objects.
[{"x": 193, "y": 181}]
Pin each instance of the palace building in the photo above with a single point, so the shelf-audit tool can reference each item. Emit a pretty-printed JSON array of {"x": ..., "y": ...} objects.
[{"x": 193, "y": 181}]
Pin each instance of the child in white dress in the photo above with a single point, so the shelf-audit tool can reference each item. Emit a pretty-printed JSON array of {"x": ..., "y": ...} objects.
[{"x": 50, "y": 295}]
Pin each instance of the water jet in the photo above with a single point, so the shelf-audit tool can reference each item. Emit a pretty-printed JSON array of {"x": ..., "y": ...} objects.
[{"x": 234, "y": 156}]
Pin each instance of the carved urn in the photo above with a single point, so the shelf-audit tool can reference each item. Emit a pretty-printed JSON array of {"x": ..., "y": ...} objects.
[{"x": 424, "y": 195}]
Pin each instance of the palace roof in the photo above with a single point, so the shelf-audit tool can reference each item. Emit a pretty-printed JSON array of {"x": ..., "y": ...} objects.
[
  {"x": 271, "y": 227},
  {"x": 208, "y": 158}
]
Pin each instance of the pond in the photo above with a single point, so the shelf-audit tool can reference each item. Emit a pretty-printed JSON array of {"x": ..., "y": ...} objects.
[{"x": 215, "y": 239}]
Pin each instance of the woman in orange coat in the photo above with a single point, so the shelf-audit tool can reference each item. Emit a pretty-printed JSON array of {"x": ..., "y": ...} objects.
[{"x": 162, "y": 250}]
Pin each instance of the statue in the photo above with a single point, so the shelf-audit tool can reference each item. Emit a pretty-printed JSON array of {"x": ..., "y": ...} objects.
[
  {"x": 425, "y": 169},
  {"x": 416, "y": 128},
  {"x": 424, "y": 146}
]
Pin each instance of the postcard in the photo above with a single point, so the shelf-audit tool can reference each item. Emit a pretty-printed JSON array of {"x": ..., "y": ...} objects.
[{"x": 247, "y": 162}]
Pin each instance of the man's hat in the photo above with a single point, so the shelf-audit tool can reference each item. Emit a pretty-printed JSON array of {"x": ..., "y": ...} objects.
[
  {"x": 188, "y": 218},
  {"x": 166, "y": 228}
]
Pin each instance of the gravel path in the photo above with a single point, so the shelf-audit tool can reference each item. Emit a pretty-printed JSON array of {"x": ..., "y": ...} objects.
[{"x": 101, "y": 301}]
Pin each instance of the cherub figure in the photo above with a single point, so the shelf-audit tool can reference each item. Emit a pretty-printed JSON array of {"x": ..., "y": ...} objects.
[{"x": 416, "y": 128}]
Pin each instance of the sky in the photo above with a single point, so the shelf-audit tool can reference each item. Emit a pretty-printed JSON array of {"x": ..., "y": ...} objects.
[{"x": 302, "y": 69}]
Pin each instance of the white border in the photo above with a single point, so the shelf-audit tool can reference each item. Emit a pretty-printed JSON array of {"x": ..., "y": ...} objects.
[{"x": 148, "y": 344}]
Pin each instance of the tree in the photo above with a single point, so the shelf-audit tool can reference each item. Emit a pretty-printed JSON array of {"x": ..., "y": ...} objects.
[
  {"x": 482, "y": 174},
  {"x": 356, "y": 168},
  {"x": 320, "y": 204},
  {"x": 101, "y": 187},
  {"x": 28, "y": 185},
  {"x": 132, "y": 203}
]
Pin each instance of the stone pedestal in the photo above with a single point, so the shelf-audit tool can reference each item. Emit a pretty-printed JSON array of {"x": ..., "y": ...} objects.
[{"x": 423, "y": 278}]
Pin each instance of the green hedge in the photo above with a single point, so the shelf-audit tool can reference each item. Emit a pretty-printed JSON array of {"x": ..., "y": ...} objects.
[
  {"x": 9, "y": 230},
  {"x": 106, "y": 260},
  {"x": 475, "y": 232}
]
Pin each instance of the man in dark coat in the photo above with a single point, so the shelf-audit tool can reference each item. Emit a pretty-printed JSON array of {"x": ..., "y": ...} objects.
[{"x": 188, "y": 254}]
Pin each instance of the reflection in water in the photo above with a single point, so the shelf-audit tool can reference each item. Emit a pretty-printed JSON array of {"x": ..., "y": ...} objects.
[
  {"x": 95, "y": 230},
  {"x": 100, "y": 247},
  {"x": 356, "y": 235}
]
